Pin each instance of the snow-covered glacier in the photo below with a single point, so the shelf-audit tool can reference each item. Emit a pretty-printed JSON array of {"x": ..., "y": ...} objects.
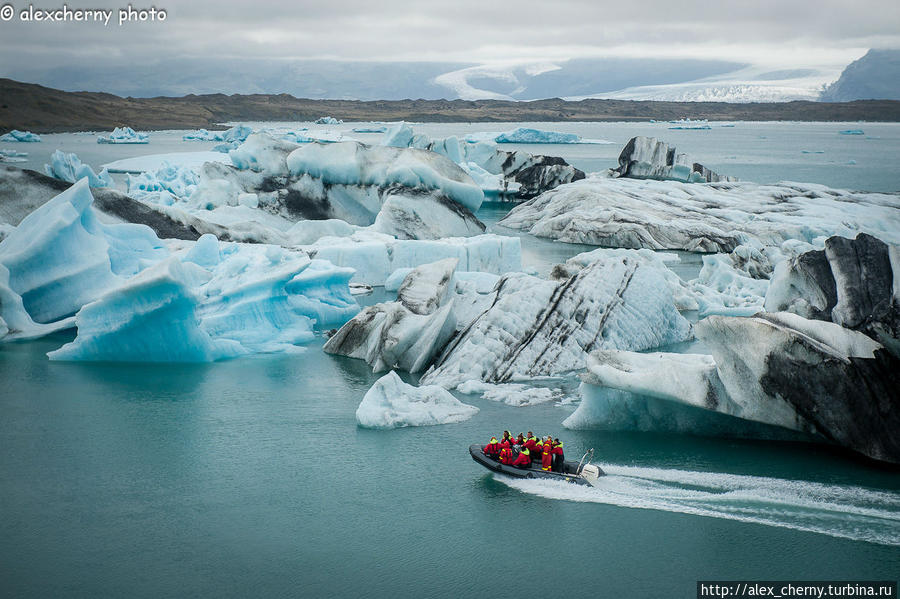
[
  {"x": 704, "y": 217},
  {"x": 391, "y": 403},
  {"x": 124, "y": 135}
]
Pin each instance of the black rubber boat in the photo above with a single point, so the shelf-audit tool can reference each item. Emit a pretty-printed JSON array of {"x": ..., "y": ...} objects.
[{"x": 579, "y": 473}]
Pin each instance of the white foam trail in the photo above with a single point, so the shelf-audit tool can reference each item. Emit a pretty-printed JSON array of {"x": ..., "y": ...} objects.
[{"x": 847, "y": 512}]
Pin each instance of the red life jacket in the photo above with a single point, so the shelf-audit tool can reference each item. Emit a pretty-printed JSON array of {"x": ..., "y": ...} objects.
[
  {"x": 530, "y": 443},
  {"x": 524, "y": 459},
  {"x": 492, "y": 448},
  {"x": 506, "y": 455},
  {"x": 547, "y": 457}
]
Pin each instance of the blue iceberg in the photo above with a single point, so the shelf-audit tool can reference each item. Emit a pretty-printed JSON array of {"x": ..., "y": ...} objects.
[
  {"x": 67, "y": 167},
  {"x": 20, "y": 136},
  {"x": 124, "y": 135}
]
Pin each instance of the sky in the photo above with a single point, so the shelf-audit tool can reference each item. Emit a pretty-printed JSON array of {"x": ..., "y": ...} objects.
[{"x": 776, "y": 33}]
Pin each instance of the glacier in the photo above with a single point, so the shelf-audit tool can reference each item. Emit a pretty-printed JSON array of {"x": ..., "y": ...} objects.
[
  {"x": 20, "y": 136},
  {"x": 391, "y": 403},
  {"x": 67, "y": 167},
  {"x": 124, "y": 135}
]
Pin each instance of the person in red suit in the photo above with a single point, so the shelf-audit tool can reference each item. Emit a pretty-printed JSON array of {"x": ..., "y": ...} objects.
[
  {"x": 530, "y": 442},
  {"x": 492, "y": 449},
  {"x": 547, "y": 454},
  {"x": 524, "y": 459},
  {"x": 506, "y": 454},
  {"x": 558, "y": 455}
]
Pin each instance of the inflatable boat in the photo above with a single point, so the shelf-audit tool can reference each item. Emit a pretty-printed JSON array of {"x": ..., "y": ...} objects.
[{"x": 579, "y": 473}]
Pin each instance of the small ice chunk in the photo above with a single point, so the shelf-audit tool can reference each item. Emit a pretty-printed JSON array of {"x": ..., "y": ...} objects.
[{"x": 391, "y": 403}]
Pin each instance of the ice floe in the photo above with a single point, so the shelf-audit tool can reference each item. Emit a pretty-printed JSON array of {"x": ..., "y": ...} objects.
[
  {"x": 649, "y": 158},
  {"x": 391, "y": 403},
  {"x": 238, "y": 133}
]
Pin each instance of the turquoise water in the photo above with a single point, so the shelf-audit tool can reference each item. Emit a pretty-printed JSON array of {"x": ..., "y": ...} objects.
[{"x": 250, "y": 478}]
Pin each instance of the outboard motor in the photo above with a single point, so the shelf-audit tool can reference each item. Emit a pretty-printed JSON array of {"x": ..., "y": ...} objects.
[{"x": 589, "y": 472}]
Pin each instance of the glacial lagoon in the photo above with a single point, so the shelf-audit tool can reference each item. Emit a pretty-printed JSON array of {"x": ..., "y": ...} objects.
[{"x": 249, "y": 477}]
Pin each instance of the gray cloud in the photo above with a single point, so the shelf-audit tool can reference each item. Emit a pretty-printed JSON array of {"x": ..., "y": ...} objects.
[{"x": 459, "y": 31}]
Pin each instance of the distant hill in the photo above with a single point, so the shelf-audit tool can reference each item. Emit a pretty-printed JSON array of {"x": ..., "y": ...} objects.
[
  {"x": 874, "y": 76},
  {"x": 45, "y": 110}
]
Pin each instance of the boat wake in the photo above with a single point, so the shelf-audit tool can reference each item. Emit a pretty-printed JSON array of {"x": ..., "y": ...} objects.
[{"x": 847, "y": 512}]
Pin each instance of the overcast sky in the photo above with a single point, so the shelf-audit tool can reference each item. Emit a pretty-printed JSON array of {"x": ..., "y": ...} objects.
[{"x": 790, "y": 32}]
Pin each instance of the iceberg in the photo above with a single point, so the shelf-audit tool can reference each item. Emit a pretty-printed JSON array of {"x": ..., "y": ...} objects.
[
  {"x": 154, "y": 162},
  {"x": 852, "y": 132},
  {"x": 60, "y": 257},
  {"x": 164, "y": 185},
  {"x": 650, "y": 158},
  {"x": 408, "y": 333},
  {"x": 404, "y": 193},
  {"x": 852, "y": 282},
  {"x": 67, "y": 167},
  {"x": 24, "y": 191},
  {"x": 150, "y": 318},
  {"x": 690, "y": 124},
  {"x": 391, "y": 403},
  {"x": 370, "y": 129},
  {"x": 124, "y": 135},
  {"x": 536, "y": 327},
  {"x": 20, "y": 136},
  {"x": 238, "y": 133},
  {"x": 375, "y": 257},
  {"x": 523, "y": 135},
  {"x": 13, "y": 156},
  {"x": 849, "y": 388},
  {"x": 328, "y": 120},
  {"x": 497, "y": 171},
  {"x": 706, "y": 217}
]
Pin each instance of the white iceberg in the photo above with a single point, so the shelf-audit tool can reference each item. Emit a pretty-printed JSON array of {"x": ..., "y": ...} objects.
[
  {"x": 370, "y": 129},
  {"x": 328, "y": 120},
  {"x": 391, "y": 403},
  {"x": 707, "y": 217},
  {"x": 238, "y": 133},
  {"x": 375, "y": 257},
  {"x": 124, "y": 135},
  {"x": 67, "y": 167},
  {"x": 13, "y": 156},
  {"x": 536, "y": 327},
  {"x": 20, "y": 136},
  {"x": 164, "y": 185},
  {"x": 649, "y": 158}
]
